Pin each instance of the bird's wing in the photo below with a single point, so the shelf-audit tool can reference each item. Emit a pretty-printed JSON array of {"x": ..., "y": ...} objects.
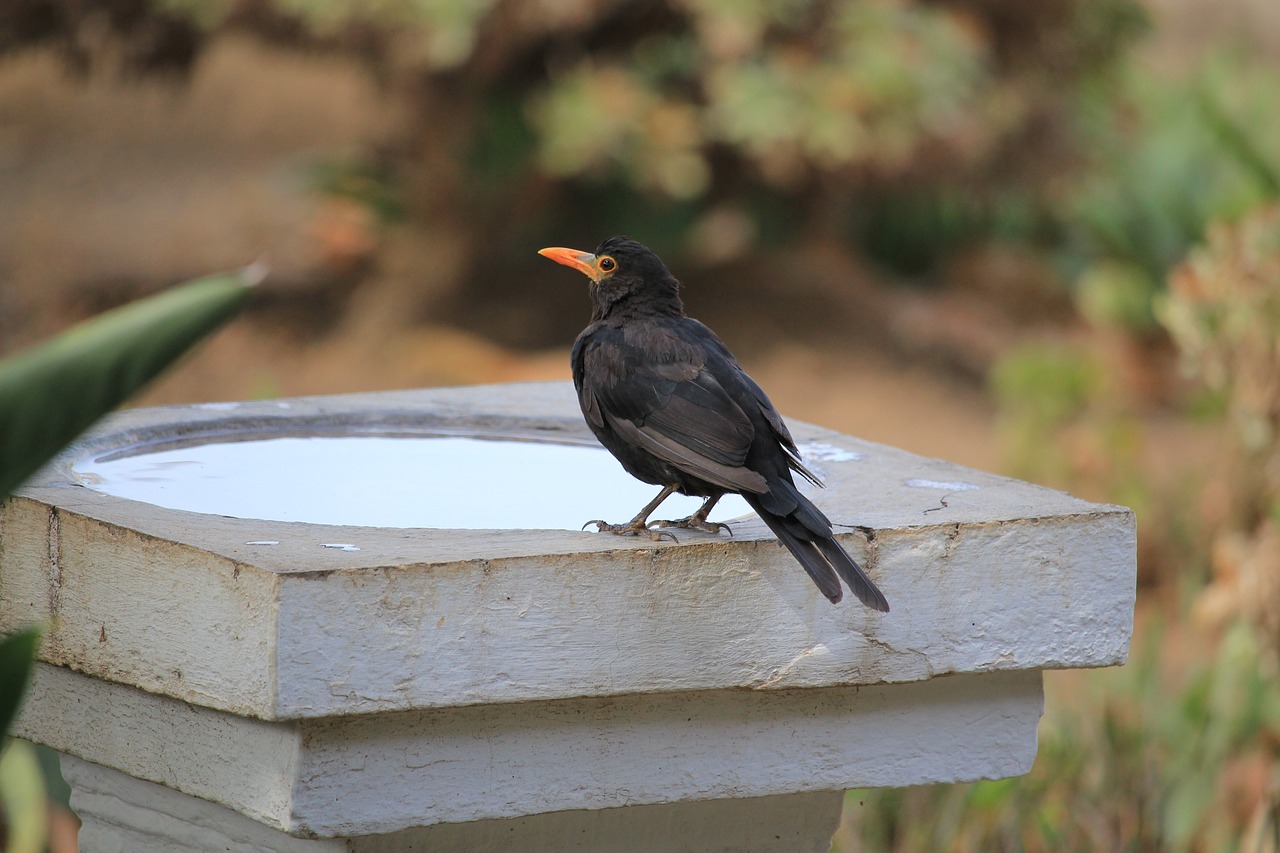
[
  {"x": 727, "y": 477},
  {"x": 780, "y": 431},
  {"x": 674, "y": 409},
  {"x": 726, "y": 361}
]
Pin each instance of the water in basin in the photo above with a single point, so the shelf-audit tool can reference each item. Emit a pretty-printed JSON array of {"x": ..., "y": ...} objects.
[{"x": 445, "y": 482}]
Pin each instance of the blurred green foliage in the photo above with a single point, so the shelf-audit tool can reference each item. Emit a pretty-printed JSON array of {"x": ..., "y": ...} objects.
[
  {"x": 1060, "y": 422},
  {"x": 23, "y": 803},
  {"x": 22, "y": 799},
  {"x": 362, "y": 183},
  {"x": 795, "y": 88},
  {"x": 1047, "y": 386},
  {"x": 1138, "y": 758},
  {"x": 891, "y": 125},
  {"x": 1167, "y": 155},
  {"x": 17, "y": 651}
]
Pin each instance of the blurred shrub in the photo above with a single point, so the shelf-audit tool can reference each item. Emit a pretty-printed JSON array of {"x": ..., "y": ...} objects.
[
  {"x": 820, "y": 115},
  {"x": 361, "y": 183},
  {"x": 1166, "y": 155},
  {"x": 1142, "y": 757},
  {"x": 1114, "y": 293},
  {"x": 1060, "y": 422},
  {"x": 1223, "y": 311},
  {"x": 795, "y": 88},
  {"x": 594, "y": 120}
]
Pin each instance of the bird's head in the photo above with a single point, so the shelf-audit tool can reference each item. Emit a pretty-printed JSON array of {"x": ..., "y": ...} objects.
[{"x": 623, "y": 271}]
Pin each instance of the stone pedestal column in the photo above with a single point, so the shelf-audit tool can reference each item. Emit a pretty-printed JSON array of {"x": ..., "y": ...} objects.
[{"x": 536, "y": 690}]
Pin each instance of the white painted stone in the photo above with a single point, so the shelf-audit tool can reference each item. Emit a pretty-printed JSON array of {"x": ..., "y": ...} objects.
[
  {"x": 245, "y": 764},
  {"x": 796, "y": 823},
  {"x": 379, "y": 773},
  {"x": 419, "y": 688},
  {"x": 1002, "y": 576},
  {"x": 120, "y": 814}
]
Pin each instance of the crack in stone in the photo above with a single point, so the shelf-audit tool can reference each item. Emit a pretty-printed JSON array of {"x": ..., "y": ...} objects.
[
  {"x": 55, "y": 563},
  {"x": 891, "y": 651},
  {"x": 949, "y": 545},
  {"x": 781, "y": 672}
]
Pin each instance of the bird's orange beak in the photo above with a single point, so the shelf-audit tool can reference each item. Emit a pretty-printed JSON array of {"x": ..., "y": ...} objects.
[{"x": 583, "y": 262}]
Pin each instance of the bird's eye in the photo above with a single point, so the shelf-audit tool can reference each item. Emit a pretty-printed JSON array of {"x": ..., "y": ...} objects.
[{"x": 608, "y": 264}]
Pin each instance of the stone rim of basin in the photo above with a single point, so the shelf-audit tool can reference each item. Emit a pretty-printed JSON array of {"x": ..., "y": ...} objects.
[{"x": 338, "y": 620}]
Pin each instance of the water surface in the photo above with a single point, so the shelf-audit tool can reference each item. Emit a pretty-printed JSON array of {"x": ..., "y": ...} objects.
[{"x": 446, "y": 482}]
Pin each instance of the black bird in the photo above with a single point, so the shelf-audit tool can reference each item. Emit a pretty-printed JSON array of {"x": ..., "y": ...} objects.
[{"x": 666, "y": 397}]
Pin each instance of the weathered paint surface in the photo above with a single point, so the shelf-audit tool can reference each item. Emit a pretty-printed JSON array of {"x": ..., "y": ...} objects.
[
  {"x": 165, "y": 821},
  {"x": 381, "y": 773},
  {"x": 487, "y": 761},
  {"x": 984, "y": 573},
  {"x": 121, "y": 814},
  {"x": 425, "y": 687},
  {"x": 245, "y": 764}
]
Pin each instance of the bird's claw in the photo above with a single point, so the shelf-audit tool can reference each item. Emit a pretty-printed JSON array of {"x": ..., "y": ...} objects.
[
  {"x": 694, "y": 523},
  {"x": 632, "y": 529}
]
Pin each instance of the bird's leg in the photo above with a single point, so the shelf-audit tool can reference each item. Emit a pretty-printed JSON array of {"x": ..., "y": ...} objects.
[
  {"x": 637, "y": 526},
  {"x": 697, "y": 521}
]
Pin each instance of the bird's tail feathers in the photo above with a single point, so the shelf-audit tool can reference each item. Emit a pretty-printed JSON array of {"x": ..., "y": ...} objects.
[
  {"x": 866, "y": 591},
  {"x": 806, "y": 532},
  {"x": 808, "y": 555}
]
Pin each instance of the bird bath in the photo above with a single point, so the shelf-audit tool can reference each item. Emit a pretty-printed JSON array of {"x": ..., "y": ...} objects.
[
  {"x": 410, "y": 679},
  {"x": 435, "y": 481}
]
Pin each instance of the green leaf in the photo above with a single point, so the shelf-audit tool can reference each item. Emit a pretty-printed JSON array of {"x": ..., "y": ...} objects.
[
  {"x": 54, "y": 392},
  {"x": 17, "y": 653},
  {"x": 55, "y": 785},
  {"x": 1239, "y": 143},
  {"x": 993, "y": 794},
  {"x": 1190, "y": 800},
  {"x": 22, "y": 799}
]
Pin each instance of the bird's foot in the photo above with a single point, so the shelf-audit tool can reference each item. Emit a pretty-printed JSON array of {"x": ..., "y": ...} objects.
[
  {"x": 693, "y": 522},
  {"x": 632, "y": 528}
]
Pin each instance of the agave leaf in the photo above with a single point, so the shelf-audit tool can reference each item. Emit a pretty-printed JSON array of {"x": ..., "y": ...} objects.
[
  {"x": 55, "y": 391},
  {"x": 17, "y": 652}
]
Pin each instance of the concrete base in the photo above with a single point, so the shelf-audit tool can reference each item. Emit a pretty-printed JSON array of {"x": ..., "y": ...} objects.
[
  {"x": 121, "y": 814},
  {"x": 377, "y": 774}
]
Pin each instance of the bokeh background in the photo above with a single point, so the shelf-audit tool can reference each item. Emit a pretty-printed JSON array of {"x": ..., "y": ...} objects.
[{"x": 1041, "y": 238}]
